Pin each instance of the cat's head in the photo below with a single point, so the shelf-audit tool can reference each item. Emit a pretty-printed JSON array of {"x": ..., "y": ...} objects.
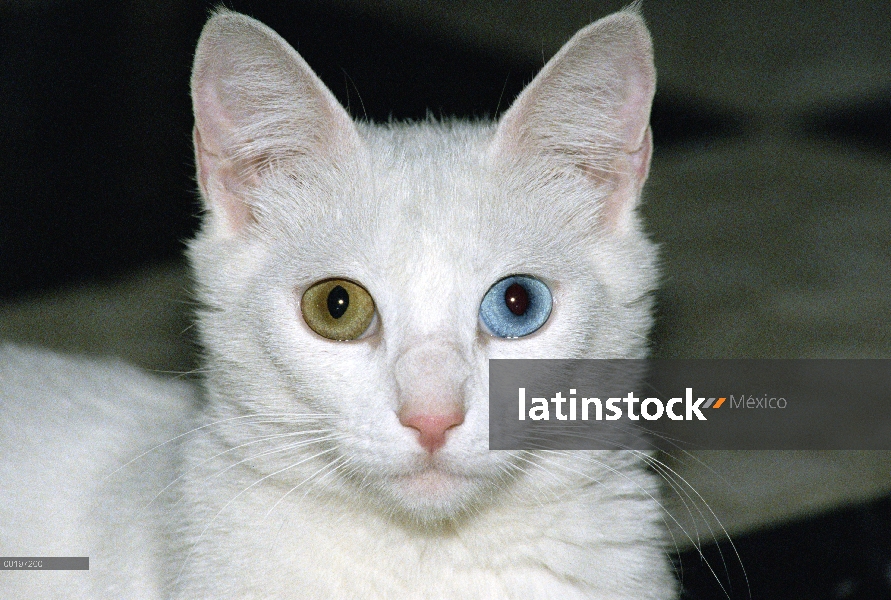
[{"x": 366, "y": 273}]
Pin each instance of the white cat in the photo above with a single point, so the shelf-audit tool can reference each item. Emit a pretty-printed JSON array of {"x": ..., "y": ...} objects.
[{"x": 355, "y": 279}]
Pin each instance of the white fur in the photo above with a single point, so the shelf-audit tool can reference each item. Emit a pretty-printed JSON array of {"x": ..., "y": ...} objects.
[
  {"x": 68, "y": 425},
  {"x": 302, "y": 482}
]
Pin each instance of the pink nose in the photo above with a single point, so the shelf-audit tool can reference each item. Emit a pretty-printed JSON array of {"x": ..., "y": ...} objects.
[{"x": 432, "y": 427}]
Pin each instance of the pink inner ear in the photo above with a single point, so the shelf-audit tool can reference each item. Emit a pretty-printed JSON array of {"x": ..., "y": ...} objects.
[
  {"x": 221, "y": 187},
  {"x": 640, "y": 159},
  {"x": 618, "y": 207},
  {"x": 212, "y": 120},
  {"x": 221, "y": 183},
  {"x": 634, "y": 112}
]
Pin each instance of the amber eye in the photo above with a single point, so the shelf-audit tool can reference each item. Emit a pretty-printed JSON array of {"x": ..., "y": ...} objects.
[{"x": 337, "y": 309}]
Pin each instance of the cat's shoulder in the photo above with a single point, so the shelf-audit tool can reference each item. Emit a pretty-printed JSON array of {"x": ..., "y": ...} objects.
[
  {"x": 87, "y": 445},
  {"x": 48, "y": 399},
  {"x": 49, "y": 387}
]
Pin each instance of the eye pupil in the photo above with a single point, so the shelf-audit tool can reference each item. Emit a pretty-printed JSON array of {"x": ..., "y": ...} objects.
[
  {"x": 338, "y": 301},
  {"x": 517, "y": 299}
]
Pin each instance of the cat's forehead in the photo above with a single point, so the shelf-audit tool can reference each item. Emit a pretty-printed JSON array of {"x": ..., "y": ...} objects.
[
  {"x": 440, "y": 178},
  {"x": 437, "y": 192},
  {"x": 436, "y": 167},
  {"x": 424, "y": 201}
]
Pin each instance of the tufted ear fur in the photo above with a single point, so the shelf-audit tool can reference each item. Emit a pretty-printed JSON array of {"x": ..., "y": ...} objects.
[
  {"x": 258, "y": 107},
  {"x": 589, "y": 109}
]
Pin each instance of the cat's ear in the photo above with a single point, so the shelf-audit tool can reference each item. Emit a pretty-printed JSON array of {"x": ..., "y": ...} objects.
[
  {"x": 258, "y": 107},
  {"x": 588, "y": 109}
]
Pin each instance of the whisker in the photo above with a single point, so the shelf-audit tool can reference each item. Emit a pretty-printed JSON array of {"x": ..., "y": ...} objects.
[
  {"x": 309, "y": 478},
  {"x": 233, "y": 499},
  {"x": 219, "y": 454}
]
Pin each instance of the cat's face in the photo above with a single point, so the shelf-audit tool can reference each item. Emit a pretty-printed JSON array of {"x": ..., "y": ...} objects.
[{"x": 365, "y": 274}]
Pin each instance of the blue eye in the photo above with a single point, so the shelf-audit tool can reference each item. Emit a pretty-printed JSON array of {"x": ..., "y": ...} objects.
[{"x": 516, "y": 306}]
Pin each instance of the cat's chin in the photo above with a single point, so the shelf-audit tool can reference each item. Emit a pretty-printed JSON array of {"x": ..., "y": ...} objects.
[
  {"x": 431, "y": 482},
  {"x": 434, "y": 493}
]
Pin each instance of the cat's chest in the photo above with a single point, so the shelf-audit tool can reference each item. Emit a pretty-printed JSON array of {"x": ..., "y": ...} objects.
[
  {"x": 302, "y": 553},
  {"x": 249, "y": 539}
]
